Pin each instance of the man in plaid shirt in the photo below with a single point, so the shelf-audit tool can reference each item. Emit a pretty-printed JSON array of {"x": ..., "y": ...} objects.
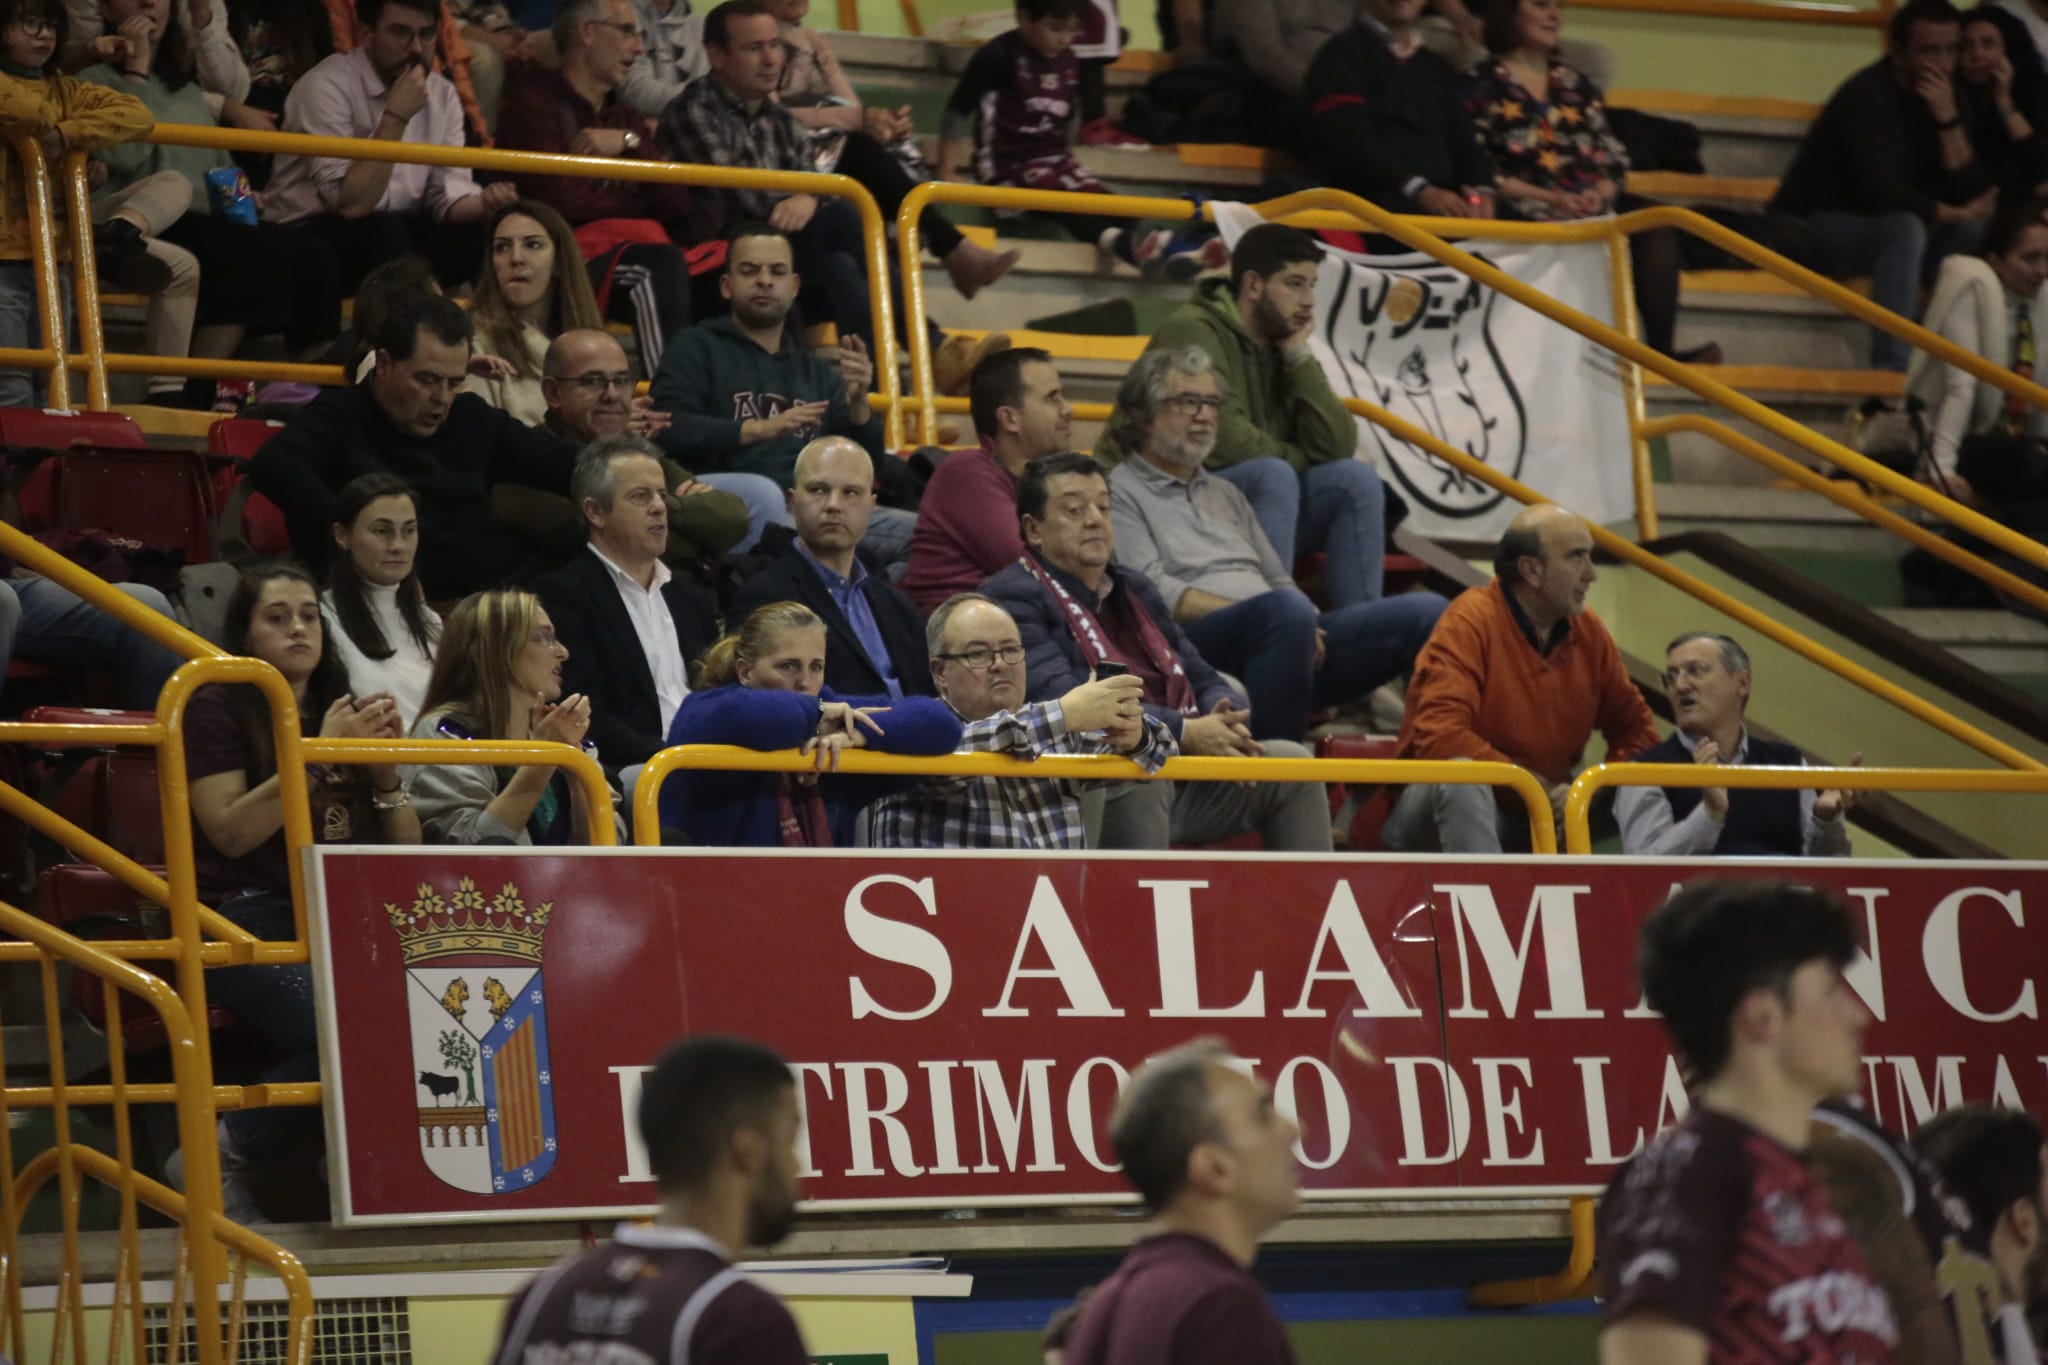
[{"x": 977, "y": 661}]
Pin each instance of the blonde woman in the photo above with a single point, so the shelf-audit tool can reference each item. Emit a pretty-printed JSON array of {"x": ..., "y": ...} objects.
[
  {"x": 763, "y": 687},
  {"x": 498, "y": 675}
]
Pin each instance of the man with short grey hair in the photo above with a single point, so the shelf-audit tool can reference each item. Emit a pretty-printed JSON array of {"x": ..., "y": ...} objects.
[
  {"x": 1707, "y": 677},
  {"x": 1204, "y": 1146},
  {"x": 629, "y": 625},
  {"x": 1196, "y": 537},
  {"x": 977, "y": 661}
]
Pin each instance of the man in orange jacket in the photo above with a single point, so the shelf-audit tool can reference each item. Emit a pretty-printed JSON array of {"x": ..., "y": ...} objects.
[{"x": 1517, "y": 671}]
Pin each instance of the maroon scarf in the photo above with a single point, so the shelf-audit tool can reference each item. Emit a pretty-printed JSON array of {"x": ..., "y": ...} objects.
[
  {"x": 1088, "y": 633},
  {"x": 800, "y": 812}
]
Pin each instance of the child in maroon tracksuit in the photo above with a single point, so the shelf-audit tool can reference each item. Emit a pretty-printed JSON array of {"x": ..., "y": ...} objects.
[{"x": 1016, "y": 105}]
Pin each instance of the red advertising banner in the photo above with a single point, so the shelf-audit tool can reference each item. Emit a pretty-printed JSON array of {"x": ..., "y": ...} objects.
[{"x": 960, "y": 1023}]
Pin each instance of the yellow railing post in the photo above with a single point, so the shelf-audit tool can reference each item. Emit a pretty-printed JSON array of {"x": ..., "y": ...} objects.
[
  {"x": 1621, "y": 273},
  {"x": 42, "y": 217}
]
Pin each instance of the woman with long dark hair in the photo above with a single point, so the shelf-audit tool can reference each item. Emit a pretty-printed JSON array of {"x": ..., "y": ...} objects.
[
  {"x": 498, "y": 675},
  {"x": 532, "y": 289},
  {"x": 238, "y": 826},
  {"x": 379, "y": 624},
  {"x": 2007, "y": 85},
  {"x": 1545, "y": 127}
]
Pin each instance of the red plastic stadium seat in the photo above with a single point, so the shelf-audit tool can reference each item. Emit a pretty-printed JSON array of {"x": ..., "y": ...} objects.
[
  {"x": 83, "y": 715},
  {"x": 134, "y": 807},
  {"x": 158, "y": 497},
  {"x": 55, "y": 430},
  {"x": 238, "y": 438},
  {"x": 92, "y": 905},
  {"x": 1375, "y": 802}
]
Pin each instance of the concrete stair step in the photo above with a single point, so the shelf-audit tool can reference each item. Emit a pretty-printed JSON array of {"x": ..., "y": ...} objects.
[
  {"x": 1951, "y": 627},
  {"x": 1768, "y": 517}
]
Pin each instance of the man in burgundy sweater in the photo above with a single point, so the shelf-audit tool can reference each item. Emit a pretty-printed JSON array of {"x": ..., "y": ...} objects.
[
  {"x": 1214, "y": 1161},
  {"x": 640, "y": 279},
  {"x": 967, "y": 517},
  {"x": 719, "y": 1118}
]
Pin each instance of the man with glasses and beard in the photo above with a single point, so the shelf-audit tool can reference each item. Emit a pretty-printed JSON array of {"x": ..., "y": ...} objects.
[
  {"x": 719, "y": 1118},
  {"x": 977, "y": 660}
]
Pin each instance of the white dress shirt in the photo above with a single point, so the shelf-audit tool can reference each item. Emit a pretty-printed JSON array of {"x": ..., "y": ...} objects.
[
  {"x": 343, "y": 97},
  {"x": 648, "y": 610}
]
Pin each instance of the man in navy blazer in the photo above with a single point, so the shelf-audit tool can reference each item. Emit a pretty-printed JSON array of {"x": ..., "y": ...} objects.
[
  {"x": 874, "y": 637},
  {"x": 631, "y": 628}
]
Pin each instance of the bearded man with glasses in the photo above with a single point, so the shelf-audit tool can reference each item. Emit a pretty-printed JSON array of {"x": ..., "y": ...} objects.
[
  {"x": 1196, "y": 537},
  {"x": 977, "y": 663}
]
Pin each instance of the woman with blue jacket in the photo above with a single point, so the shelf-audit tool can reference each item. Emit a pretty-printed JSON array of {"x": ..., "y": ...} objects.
[{"x": 763, "y": 687}]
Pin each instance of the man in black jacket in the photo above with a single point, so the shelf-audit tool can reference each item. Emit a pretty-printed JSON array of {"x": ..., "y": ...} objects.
[
  {"x": 631, "y": 628},
  {"x": 460, "y": 454},
  {"x": 1886, "y": 179},
  {"x": 1077, "y": 609},
  {"x": 874, "y": 636},
  {"x": 1386, "y": 121}
]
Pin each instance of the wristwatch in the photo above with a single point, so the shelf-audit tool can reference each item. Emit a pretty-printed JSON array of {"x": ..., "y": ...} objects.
[{"x": 632, "y": 141}]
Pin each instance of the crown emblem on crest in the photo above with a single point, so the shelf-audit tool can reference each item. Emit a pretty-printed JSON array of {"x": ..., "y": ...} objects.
[{"x": 465, "y": 922}]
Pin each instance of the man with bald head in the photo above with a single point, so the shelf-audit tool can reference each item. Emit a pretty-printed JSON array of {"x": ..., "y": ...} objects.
[
  {"x": 1517, "y": 671},
  {"x": 588, "y": 385},
  {"x": 874, "y": 637},
  {"x": 977, "y": 661}
]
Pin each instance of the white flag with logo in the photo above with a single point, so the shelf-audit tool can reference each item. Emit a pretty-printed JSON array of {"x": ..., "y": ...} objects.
[{"x": 1504, "y": 384}]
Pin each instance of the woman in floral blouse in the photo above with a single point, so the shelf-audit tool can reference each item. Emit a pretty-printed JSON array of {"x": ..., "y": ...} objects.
[{"x": 1545, "y": 126}]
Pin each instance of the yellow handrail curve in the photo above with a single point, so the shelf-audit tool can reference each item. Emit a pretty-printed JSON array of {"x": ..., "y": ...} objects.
[
  {"x": 1427, "y": 235},
  {"x": 191, "y": 1064},
  {"x": 647, "y": 792},
  {"x": 874, "y": 233},
  {"x": 1578, "y": 802},
  {"x": 1850, "y": 496},
  {"x": 1785, "y": 11}
]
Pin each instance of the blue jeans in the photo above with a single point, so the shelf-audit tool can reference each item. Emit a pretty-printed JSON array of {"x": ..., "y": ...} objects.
[
  {"x": 1269, "y": 643},
  {"x": 274, "y": 1001},
  {"x": 1339, "y": 508},
  {"x": 1899, "y": 252},
  {"x": 21, "y": 326},
  {"x": 49, "y": 624},
  {"x": 766, "y": 505}
]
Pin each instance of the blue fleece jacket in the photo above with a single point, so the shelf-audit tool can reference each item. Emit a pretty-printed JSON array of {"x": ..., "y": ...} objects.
[
  {"x": 737, "y": 810},
  {"x": 713, "y": 377}
]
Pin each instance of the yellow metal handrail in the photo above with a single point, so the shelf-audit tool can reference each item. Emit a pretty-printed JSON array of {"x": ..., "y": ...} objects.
[
  {"x": 1334, "y": 208},
  {"x": 1104, "y": 767},
  {"x": 1848, "y": 495},
  {"x": 1578, "y": 802},
  {"x": 94, "y": 357}
]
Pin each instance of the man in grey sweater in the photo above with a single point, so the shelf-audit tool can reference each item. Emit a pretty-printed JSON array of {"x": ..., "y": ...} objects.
[{"x": 1194, "y": 535}]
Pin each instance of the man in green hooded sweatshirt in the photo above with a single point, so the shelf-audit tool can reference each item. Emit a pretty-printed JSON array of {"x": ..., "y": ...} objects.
[{"x": 1284, "y": 438}]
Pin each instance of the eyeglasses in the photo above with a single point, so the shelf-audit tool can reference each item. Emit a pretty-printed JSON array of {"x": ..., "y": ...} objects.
[
  {"x": 545, "y": 637},
  {"x": 1188, "y": 404},
  {"x": 624, "y": 28},
  {"x": 981, "y": 660},
  {"x": 1694, "y": 671},
  {"x": 36, "y": 26},
  {"x": 597, "y": 383}
]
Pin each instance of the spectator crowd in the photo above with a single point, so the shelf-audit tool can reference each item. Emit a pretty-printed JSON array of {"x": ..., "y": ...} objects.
[{"x": 494, "y": 538}]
